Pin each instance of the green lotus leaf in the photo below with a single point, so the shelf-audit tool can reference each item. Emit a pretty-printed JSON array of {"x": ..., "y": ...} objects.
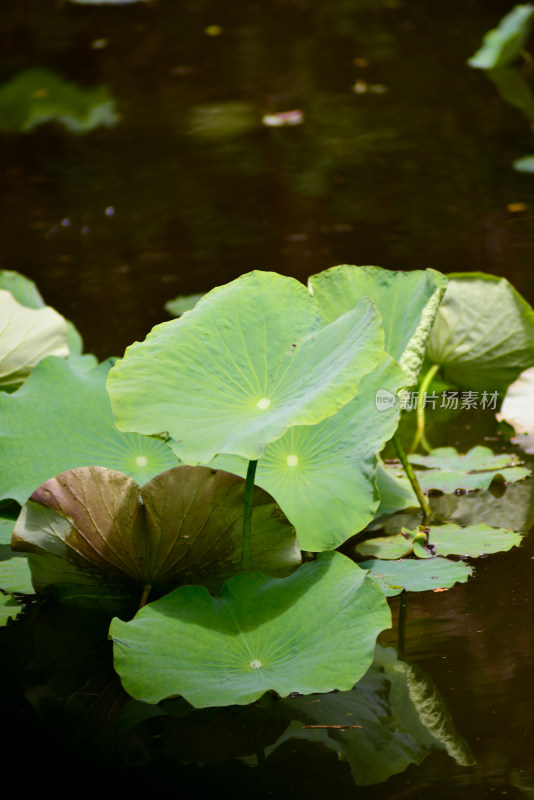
[
  {"x": 524, "y": 164},
  {"x": 503, "y": 45},
  {"x": 27, "y": 336},
  {"x": 183, "y": 303},
  {"x": 23, "y": 289},
  {"x": 261, "y": 634},
  {"x": 483, "y": 336},
  {"x": 441, "y": 540},
  {"x": 251, "y": 360},
  {"x": 27, "y": 294},
  {"x": 395, "y": 490},
  {"x": 60, "y": 419},
  {"x": 9, "y": 608},
  {"x": 15, "y": 576},
  {"x": 323, "y": 476},
  {"x": 514, "y": 89},
  {"x": 447, "y": 470},
  {"x": 392, "y": 718},
  {"x": 94, "y": 525},
  {"x": 407, "y": 301},
  {"x": 36, "y": 96},
  {"x": 416, "y": 575}
]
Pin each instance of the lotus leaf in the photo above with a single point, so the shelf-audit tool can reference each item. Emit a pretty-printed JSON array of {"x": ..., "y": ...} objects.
[
  {"x": 394, "y": 489},
  {"x": 414, "y": 575},
  {"x": 79, "y": 430},
  {"x": 524, "y": 164},
  {"x": 26, "y": 337},
  {"x": 447, "y": 470},
  {"x": 93, "y": 525},
  {"x": 392, "y": 718},
  {"x": 483, "y": 336},
  {"x": 183, "y": 303},
  {"x": 251, "y": 360},
  {"x": 9, "y": 608},
  {"x": 36, "y": 96},
  {"x": 504, "y": 44},
  {"x": 15, "y": 576},
  {"x": 261, "y": 634},
  {"x": 441, "y": 540},
  {"x": 323, "y": 476},
  {"x": 407, "y": 301}
]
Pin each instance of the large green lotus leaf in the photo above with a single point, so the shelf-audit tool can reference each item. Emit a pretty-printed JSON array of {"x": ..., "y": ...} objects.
[
  {"x": 414, "y": 575},
  {"x": 261, "y": 634},
  {"x": 27, "y": 336},
  {"x": 95, "y": 525},
  {"x": 395, "y": 490},
  {"x": 483, "y": 336},
  {"x": 60, "y": 419},
  {"x": 503, "y": 45},
  {"x": 392, "y": 718},
  {"x": 36, "y": 96},
  {"x": 408, "y": 302},
  {"x": 251, "y": 360},
  {"x": 441, "y": 540},
  {"x": 323, "y": 476},
  {"x": 447, "y": 470}
]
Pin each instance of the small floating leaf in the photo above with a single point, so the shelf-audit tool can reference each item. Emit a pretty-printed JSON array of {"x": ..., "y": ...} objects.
[
  {"x": 9, "y": 608},
  {"x": 449, "y": 470},
  {"x": 183, "y": 303},
  {"x": 524, "y": 164},
  {"x": 210, "y": 649},
  {"x": 414, "y": 575}
]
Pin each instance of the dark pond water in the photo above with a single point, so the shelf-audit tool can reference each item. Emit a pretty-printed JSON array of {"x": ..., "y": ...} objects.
[{"x": 401, "y": 158}]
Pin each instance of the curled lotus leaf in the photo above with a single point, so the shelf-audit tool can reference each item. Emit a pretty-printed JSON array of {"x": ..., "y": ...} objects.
[
  {"x": 27, "y": 335},
  {"x": 96, "y": 526},
  {"x": 407, "y": 301},
  {"x": 252, "y": 359},
  {"x": 483, "y": 335}
]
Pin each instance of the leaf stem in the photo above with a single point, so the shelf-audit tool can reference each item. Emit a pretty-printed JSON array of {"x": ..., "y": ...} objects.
[
  {"x": 421, "y": 399},
  {"x": 247, "y": 513},
  {"x": 147, "y": 588},
  {"x": 423, "y": 502}
]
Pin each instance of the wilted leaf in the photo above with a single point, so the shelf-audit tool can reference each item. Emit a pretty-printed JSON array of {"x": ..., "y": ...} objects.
[{"x": 96, "y": 526}]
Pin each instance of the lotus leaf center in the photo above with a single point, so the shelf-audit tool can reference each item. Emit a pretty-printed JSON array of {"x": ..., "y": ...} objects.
[
  {"x": 292, "y": 461},
  {"x": 141, "y": 461},
  {"x": 256, "y": 664},
  {"x": 263, "y": 403}
]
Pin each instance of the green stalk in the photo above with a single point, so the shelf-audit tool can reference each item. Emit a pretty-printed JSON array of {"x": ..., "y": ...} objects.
[
  {"x": 147, "y": 588},
  {"x": 247, "y": 513},
  {"x": 423, "y": 502},
  {"x": 420, "y": 435}
]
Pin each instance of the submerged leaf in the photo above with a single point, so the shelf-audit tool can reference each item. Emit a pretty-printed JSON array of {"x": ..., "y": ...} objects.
[
  {"x": 27, "y": 336},
  {"x": 249, "y": 361},
  {"x": 96, "y": 526},
  {"x": 414, "y": 575},
  {"x": 261, "y": 634},
  {"x": 448, "y": 470},
  {"x": 483, "y": 336},
  {"x": 60, "y": 419},
  {"x": 441, "y": 540},
  {"x": 407, "y": 301},
  {"x": 323, "y": 476}
]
